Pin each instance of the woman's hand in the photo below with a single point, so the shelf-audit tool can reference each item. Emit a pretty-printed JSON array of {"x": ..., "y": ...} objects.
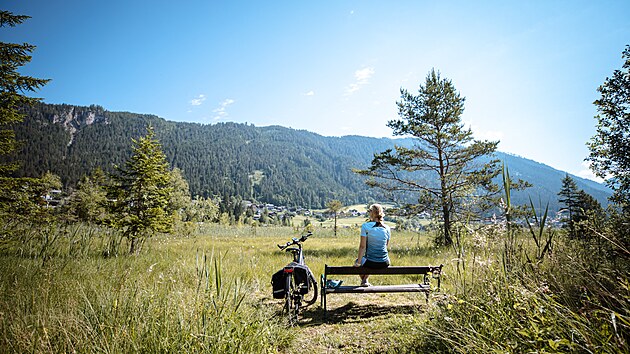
[{"x": 357, "y": 263}]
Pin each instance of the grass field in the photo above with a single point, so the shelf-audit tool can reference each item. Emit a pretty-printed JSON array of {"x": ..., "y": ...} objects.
[{"x": 211, "y": 292}]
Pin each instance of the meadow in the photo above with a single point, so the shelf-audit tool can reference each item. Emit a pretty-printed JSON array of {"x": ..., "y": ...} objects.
[{"x": 206, "y": 288}]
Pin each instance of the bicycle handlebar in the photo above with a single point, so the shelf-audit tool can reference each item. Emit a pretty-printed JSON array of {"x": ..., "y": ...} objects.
[{"x": 296, "y": 241}]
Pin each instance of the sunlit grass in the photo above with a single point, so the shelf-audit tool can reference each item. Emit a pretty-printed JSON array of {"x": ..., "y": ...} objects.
[{"x": 208, "y": 290}]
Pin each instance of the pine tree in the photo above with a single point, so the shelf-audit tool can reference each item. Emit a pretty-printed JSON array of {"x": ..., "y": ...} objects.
[
  {"x": 142, "y": 192},
  {"x": 18, "y": 196},
  {"x": 568, "y": 195},
  {"x": 451, "y": 177},
  {"x": 13, "y": 87}
]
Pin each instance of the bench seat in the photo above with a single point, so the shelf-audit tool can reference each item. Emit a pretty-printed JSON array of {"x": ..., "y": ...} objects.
[
  {"x": 407, "y": 288},
  {"x": 428, "y": 273}
]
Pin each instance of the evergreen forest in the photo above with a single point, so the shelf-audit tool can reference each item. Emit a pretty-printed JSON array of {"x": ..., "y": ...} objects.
[{"x": 272, "y": 164}]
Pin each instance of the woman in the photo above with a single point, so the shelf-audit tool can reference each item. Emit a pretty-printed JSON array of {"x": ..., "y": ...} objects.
[{"x": 374, "y": 242}]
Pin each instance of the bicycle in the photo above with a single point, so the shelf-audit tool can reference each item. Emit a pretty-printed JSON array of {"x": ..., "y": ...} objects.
[{"x": 295, "y": 280}]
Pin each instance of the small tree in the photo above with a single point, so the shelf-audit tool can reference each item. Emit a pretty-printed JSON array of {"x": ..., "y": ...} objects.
[
  {"x": 334, "y": 206},
  {"x": 142, "y": 192},
  {"x": 568, "y": 196},
  {"x": 444, "y": 166}
]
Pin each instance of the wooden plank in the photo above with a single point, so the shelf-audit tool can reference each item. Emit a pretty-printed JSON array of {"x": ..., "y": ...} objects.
[
  {"x": 349, "y": 270},
  {"x": 406, "y": 288}
]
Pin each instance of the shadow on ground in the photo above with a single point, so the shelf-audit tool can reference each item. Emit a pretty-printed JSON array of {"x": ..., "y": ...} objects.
[{"x": 353, "y": 312}]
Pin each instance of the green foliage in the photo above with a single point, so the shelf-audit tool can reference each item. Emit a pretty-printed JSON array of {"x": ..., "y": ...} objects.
[
  {"x": 27, "y": 198},
  {"x": 553, "y": 295},
  {"x": 13, "y": 87},
  {"x": 455, "y": 183},
  {"x": 202, "y": 210},
  {"x": 142, "y": 192},
  {"x": 18, "y": 197},
  {"x": 89, "y": 202},
  {"x": 180, "y": 196},
  {"x": 610, "y": 147},
  {"x": 580, "y": 206}
]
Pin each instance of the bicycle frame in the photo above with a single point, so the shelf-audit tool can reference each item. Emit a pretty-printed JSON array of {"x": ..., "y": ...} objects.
[{"x": 295, "y": 289}]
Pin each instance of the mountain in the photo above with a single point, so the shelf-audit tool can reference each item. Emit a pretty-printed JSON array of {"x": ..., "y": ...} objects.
[{"x": 270, "y": 164}]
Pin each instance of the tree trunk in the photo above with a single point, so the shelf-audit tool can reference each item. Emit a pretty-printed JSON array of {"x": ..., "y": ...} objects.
[
  {"x": 444, "y": 200},
  {"x": 448, "y": 240},
  {"x": 134, "y": 245}
]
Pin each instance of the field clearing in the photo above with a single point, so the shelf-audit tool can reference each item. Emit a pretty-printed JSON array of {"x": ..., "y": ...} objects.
[{"x": 210, "y": 292}]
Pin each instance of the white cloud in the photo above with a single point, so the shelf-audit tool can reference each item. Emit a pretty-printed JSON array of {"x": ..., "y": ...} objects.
[
  {"x": 221, "y": 111},
  {"x": 587, "y": 173},
  {"x": 310, "y": 93},
  {"x": 362, "y": 77},
  {"x": 491, "y": 135},
  {"x": 198, "y": 100}
]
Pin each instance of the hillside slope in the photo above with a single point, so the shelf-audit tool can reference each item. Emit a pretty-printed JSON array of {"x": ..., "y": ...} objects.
[{"x": 270, "y": 164}]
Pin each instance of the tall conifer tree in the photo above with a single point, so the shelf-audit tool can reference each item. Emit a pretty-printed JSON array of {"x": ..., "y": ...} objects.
[
  {"x": 18, "y": 196},
  {"x": 453, "y": 177},
  {"x": 13, "y": 87},
  {"x": 142, "y": 192}
]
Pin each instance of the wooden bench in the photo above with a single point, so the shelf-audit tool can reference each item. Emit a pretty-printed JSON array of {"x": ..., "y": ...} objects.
[{"x": 427, "y": 272}]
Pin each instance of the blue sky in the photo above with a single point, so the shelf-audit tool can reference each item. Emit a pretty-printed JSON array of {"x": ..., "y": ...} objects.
[{"x": 529, "y": 70}]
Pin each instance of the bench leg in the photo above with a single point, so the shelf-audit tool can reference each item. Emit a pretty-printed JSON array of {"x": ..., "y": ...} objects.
[{"x": 323, "y": 294}]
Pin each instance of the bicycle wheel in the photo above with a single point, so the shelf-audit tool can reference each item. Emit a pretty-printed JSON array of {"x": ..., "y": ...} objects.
[
  {"x": 313, "y": 285},
  {"x": 292, "y": 299}
]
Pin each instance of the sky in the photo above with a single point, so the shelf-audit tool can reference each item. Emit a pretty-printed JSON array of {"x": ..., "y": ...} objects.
[{"x": 529, "y": 70}]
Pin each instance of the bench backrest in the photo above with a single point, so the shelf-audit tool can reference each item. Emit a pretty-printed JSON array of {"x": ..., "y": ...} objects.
[{"x": 347, "y": 270}]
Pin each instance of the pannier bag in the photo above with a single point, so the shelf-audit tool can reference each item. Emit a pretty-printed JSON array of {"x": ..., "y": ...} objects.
[
  {"x": 277, "y": 282},
  {"x": 300, "y": 276}
]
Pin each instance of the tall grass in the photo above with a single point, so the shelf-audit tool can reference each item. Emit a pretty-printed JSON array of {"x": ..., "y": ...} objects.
[
  {"x": 204, "y": 290},
  {"x": 207, "y": 290},
  {"x": 529, "y": 290},
  {"x": 175, "y": 298}
]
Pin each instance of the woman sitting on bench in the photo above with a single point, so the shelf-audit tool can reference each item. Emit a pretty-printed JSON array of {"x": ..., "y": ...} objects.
[{"x": 374, "y": 242}]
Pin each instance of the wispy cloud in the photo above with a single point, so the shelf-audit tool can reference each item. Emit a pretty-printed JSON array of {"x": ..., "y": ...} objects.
[
  {"x": 587, "y": 173},
  {"x": 310, "y": 93},
  {"x": 221, "y": 111},
  {"x": 197, "y": 101},
  {"x": 362, "y": 78},
  {"x": 480, "y": 134}
]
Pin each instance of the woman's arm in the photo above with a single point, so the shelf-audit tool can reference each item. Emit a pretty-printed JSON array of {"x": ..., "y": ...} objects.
[{"x": 362, "y": 246}]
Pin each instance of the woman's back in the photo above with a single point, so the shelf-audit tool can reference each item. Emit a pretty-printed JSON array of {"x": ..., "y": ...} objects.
[{"x": 377, "y": 235}]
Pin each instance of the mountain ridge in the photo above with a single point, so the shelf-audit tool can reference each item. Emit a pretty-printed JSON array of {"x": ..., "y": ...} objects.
[{"x": 292, "y": 167}]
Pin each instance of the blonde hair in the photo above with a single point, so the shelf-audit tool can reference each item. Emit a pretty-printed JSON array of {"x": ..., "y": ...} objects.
[{"x": 378, "y": 211}]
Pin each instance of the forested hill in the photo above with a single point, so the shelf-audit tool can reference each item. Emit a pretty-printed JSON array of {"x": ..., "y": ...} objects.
[{"x": 270, "y": 164}]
